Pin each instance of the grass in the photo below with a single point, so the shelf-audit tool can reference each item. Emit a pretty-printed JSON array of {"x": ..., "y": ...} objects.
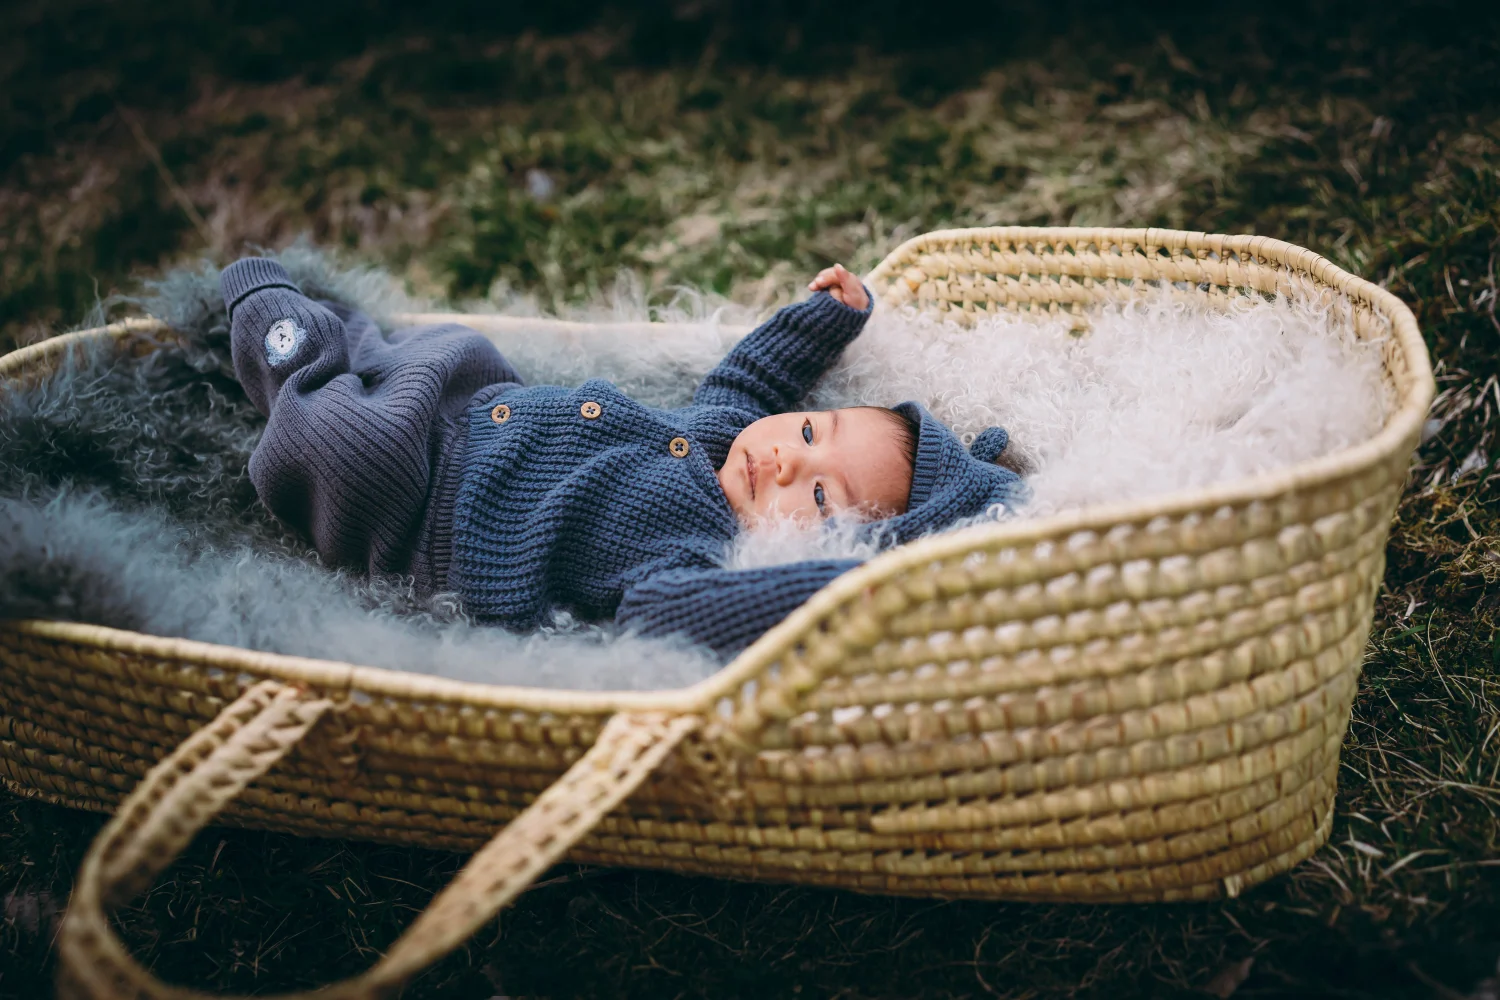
[{"x": 739, "y": 150}]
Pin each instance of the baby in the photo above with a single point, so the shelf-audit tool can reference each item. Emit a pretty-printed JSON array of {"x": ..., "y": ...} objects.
[{"x": 424, "y": 453}]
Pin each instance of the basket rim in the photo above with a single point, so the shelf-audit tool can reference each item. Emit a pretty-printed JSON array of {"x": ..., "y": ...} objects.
[{"x": 1401, "y": 426}]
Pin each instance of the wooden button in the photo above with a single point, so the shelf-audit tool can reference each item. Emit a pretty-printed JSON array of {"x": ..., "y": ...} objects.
[
  {"x": 679, "y": 447},
  {"x": 591, "y": 410},
  {"x": 500, "y": 414}
]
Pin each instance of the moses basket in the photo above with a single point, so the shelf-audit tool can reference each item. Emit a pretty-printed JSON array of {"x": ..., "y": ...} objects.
[{"x": 1135, "y": 702}]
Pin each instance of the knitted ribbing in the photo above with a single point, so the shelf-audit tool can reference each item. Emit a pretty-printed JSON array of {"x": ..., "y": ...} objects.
[{"x": 251, "y": 274}]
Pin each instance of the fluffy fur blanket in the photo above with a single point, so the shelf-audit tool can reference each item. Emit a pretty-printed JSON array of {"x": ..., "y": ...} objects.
[{"x": 126, "y": 500}]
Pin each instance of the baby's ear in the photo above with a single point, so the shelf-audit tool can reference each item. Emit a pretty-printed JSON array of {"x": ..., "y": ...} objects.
[{"x": 990, "y": 444}]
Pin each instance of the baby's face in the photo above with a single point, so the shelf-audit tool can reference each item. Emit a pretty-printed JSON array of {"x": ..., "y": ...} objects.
[{"x": 812, "y": 465}]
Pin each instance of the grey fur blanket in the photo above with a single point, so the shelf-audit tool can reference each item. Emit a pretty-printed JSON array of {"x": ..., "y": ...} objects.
[{"x": 125, "y": 501}]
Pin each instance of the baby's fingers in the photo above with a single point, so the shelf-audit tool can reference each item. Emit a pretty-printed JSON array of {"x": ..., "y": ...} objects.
[{"x": 827, "y": 278}]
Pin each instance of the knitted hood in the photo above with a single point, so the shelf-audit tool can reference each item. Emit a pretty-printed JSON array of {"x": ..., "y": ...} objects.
[{"x": 950, "y": 482}]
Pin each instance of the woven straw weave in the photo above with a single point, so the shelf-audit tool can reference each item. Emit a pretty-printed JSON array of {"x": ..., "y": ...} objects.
[{"x": 1141, "y": 701}]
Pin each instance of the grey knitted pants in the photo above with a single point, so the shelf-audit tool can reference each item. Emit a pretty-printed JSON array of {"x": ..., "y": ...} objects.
[{"x": 364, "y": 434}]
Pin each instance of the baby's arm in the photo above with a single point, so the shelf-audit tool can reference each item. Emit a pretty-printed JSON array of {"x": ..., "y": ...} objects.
[
  {"x": 725, "y": 609},
  {"x": 774, "y": 366}
]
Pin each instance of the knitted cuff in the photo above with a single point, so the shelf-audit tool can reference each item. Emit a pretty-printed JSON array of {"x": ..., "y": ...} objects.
[
  {"x": 251, "y": 274},
  {"x": 931, "y": 436}
]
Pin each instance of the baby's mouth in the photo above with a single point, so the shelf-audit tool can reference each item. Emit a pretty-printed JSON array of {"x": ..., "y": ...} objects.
[{"x": 750, "y": 474}]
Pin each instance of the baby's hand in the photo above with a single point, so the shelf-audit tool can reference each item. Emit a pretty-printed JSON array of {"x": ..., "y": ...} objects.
[{"x": 841, "y": 285}]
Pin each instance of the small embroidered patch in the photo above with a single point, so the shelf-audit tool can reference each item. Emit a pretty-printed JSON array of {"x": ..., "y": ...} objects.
[{"x": 282, "y": 340}]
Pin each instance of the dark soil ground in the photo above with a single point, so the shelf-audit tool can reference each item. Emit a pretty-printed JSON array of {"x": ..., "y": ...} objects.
[{"x": 505, "y": 151}]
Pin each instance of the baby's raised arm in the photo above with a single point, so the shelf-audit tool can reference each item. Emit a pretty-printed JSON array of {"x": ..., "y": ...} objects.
[{"x": 775, "y": 365}]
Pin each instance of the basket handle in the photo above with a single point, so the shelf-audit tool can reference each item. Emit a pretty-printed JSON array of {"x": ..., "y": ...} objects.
[{"x": 179, "y": 796}]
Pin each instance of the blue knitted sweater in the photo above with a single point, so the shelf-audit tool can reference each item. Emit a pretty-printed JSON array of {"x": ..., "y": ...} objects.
[{"x": 588, "y": 500}]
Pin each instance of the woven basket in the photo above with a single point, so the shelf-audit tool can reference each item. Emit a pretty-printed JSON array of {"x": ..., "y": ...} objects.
[{"x": 1141, "y": 701}]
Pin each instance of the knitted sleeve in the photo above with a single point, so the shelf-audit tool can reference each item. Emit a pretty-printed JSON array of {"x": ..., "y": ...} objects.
[
  {"x": 724, "y": 609},
  {"x": 776, "y": 364}
]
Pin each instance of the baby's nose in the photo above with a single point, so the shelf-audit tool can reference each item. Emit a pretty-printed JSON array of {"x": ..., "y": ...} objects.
[{"x": 788, "y": 463}]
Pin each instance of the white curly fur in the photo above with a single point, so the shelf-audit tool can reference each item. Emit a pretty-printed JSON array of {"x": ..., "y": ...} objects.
[{"x": 1161, "y": 394}]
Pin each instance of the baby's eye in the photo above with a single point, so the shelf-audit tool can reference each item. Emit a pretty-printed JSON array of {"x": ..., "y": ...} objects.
[
  {"x": 807, "y": 431},
  {"x": 818, "y": 498}
]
